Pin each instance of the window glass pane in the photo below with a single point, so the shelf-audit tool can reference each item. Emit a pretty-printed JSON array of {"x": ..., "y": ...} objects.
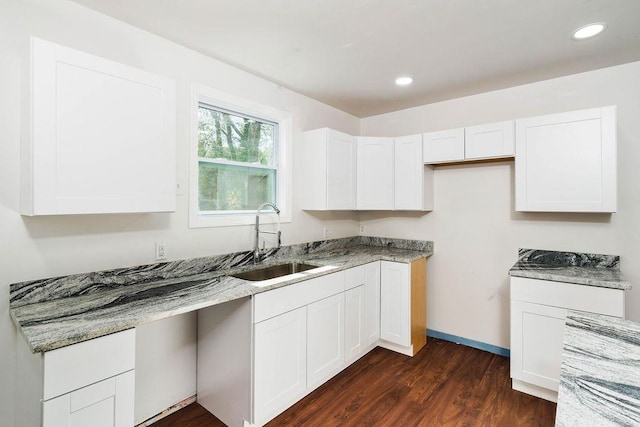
[
  {"x": 234, "y": 188},
  {"x": 225, "y": 135}
]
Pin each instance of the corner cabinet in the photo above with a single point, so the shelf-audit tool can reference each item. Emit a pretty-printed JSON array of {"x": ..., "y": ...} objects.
[
  {"x": 375, "y": 173},
  {"x": 329, "y": 168},
  {"x": 403, "y": 306},
  {"x": 567, "y": 162},
  {"x": 102, "y": 136},
  {"x": 538, "y": 312}
]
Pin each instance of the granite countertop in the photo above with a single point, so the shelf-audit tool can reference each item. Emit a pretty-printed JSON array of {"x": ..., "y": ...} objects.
[
  {"x": 570, "y": 267},
  {"x": 600, "y": 374},
  {"x": 52, "y": 313}
]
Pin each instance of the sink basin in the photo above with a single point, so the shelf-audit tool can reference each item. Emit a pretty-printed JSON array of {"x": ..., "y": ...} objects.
[{"x": 274, "y": 271}]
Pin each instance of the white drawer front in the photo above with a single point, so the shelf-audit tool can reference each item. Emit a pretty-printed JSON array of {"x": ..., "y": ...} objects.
[
  {"x": 592, "y": 299},
  {"x": 277, "y": 301},
  {"x": 354, "y": 277},
  {"x": 70, "y": 368}
]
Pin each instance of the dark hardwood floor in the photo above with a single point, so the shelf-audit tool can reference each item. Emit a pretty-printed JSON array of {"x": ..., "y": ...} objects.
[{"x": 445, "y": 384}]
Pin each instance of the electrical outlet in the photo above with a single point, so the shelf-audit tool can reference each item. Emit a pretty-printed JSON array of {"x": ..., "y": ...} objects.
[
  {"x": 161, "y": 251},
  {"x": 325, "y": 232},
  {"x": 361, "y": 229}
]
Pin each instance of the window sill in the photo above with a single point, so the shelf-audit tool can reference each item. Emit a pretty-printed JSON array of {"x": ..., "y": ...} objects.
[{"x": 230, "y": 220}]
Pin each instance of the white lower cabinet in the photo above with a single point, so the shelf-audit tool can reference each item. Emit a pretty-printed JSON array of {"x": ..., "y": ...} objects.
[
  {"x": 325, "y": 339},
  {"x": 91, "y": 383},
  {"x": 395, "y": 303},
  {"x": 403, "y": 306},
  {"x": 108, "y": 403},
  {"x": 298, "y": 336},
  {"x": 538, "y": 312},
  {"x": 298, "y": 342},
  {"x": 280, "y": 363}
]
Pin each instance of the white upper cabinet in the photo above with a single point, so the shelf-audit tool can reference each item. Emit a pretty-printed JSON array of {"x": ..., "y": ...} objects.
[
  {"x": 567, "y": 162},
  {"x": 102, "y": 136},
  {"x": 494, "y": 140},
  {"x": 488, "y": 141},
  {"x": 375, "y": 173},
  {"x": 329, "y": 167},
  {"x": 443, "y": 146},
  {"x": 413, "y": 181}
]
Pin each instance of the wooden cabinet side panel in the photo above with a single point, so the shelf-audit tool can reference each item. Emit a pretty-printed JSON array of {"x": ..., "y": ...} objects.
[{"x": 418, "y": 304}]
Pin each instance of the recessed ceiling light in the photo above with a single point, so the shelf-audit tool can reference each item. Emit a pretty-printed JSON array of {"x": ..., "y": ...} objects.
[
  {"x": 404, "y": 80},
  {"x": 589, "y": 30}
]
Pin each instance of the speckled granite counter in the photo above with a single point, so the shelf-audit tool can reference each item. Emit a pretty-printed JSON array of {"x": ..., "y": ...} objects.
[
  {"x": 56, "y": 312},
  {"x": 600, "y": 375},
  {"x": 570, "y": 267}
]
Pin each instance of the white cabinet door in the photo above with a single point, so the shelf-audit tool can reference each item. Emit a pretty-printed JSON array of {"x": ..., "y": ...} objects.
[
  {"x": 354, "y": 336},
  {"x": 375, "y": 173},
  {"x": 372, "y": 303},
  {"x": 108, "y": 403},
  {"x": 489, "y": 141},
  {"x": 103, "y": 136},
  {"x": 536, "y": 343},
  {"x": 413, "y": 182},
  {"x": 280, "y": 359},
  {"x": 341, "y": 171},
  {"x": 395, "y": 303},
  {"x": 329, "y": 170},
  {"x": 443, "y": 146},
  {"x": 325, "y": 339},
  {"x": 567, "y": 162},
  {"x": 538, "y": 311}
]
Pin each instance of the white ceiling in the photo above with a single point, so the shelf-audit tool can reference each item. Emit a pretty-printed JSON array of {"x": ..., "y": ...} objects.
[{"x": 347, "y": 53}]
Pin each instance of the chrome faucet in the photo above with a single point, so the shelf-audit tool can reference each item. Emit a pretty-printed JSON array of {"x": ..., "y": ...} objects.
[{"x": 256, "y": 246}]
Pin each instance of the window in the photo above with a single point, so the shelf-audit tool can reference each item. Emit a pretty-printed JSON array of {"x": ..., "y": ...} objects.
[
  {"x": 239, "y": 159},
  {"x": 237, "y": 168}
]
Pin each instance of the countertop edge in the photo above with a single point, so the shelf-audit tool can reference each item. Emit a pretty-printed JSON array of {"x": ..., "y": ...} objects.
[{"x": 244, "y": 289}]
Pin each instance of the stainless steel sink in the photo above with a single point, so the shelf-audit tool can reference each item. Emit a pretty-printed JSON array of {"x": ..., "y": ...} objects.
[{"x": 274, "y": 271}]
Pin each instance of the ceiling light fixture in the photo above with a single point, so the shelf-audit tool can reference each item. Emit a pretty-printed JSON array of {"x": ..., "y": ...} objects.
[
  {"x": 589, "y": 30},
  {"x": 404, "y": 80}
]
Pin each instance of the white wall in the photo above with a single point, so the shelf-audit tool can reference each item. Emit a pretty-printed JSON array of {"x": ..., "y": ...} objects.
[
  {"x": 40, "y": 247},
  {"x": 474, "y": 226}
]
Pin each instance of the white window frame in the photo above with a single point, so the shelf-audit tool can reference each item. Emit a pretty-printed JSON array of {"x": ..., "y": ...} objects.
[{"x": 216, "y": 98}]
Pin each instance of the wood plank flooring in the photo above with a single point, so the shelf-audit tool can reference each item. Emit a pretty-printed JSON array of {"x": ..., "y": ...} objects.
[{"x": 445, "y": 384}]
